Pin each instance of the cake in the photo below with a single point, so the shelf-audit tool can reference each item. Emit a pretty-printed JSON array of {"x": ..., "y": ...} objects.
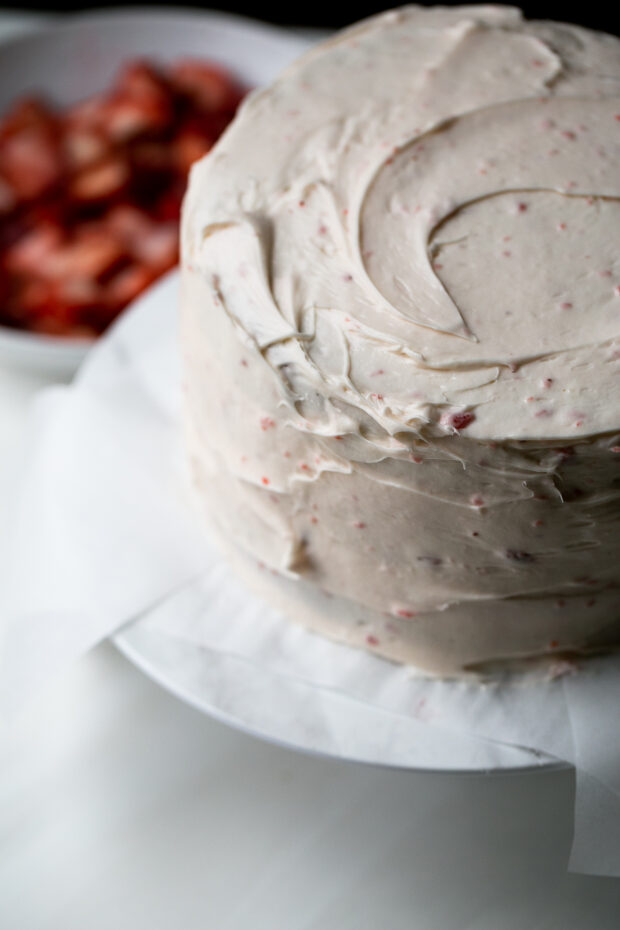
[{"x": 401, "y": 336}]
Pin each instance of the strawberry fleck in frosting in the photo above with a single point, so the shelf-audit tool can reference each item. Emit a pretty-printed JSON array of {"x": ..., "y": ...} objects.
[{"x": 402, "y": 337}]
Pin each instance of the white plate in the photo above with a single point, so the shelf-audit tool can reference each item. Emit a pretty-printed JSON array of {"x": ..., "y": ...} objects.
[
  {"x": 80, "y": 55},
  {"x": 181, "y": 669}
]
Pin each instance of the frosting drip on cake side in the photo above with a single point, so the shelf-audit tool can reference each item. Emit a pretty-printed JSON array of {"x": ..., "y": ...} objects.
[{"x": 402, "y": 326}]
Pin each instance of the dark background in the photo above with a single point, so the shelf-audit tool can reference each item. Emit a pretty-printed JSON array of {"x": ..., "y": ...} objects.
[{"x": 597, "y": 14}]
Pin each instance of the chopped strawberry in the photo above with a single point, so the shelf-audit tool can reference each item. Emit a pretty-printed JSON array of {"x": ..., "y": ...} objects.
[
  {"x": 159, "y": 249},
  {"x": 187, "y": 148},
  {"x": 154, "y": 245},
  {"x": 28, "y": 112},
  {"x": 33, "y": 299},
  {"x": 209, "y": 86},
  {"x": 57, "y": 308},
  {"x": 39, "y": 300},
  {"x": 101, "y": 181},
  {"x": 28, "y": 253},
  {"x": 128, "y": 224},
  {"x": 458, "y": 420},
  {"x": 142, "y": 102},
  {"x": 93, "y": 254},
  {"x": 142, "y": 81},
  {"x": 127, "y": 118},
  {"x": 127, "y": 285},
  {"x": 83, "y": 146},
  {"x": 30, "y": 161},
  {"x": 80, "y": 300},
  {"x": 88, "y": 115}
]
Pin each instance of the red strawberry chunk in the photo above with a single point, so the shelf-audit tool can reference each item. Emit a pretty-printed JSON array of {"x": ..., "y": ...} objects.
[
  {"x": 92, "y": 255},
  {"x": 83, "y": 146},
  {"x": 159, "y": 249},
  {"x": 127, "y": 118},
  {"x": 50, "y": 309},
  {"x": 153, "y": 245},
  {"x": 127, "y": 285},
  {"x": 457, "y": 420},
  {"x": 36, "y": 297},
  {"x": 210, "y": 87},
  {"x": 30, "y": 162},
  {"x": 88, "y": 115},
  {"x": 142, "y": 81},
  {"x": 29, "y": 253},
  {"x": 128, "y": 224},
  {"x": 462, "y": 420},
  {"x": 101, "y": 181},
  {"x": 59, "y": 307},
  {"x": 188, "y": 147},
  {"x": 28, "y": 112},
  {"x": 142, "y": 102}
]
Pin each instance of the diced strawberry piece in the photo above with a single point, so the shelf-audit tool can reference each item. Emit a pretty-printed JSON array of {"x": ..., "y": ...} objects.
[
  {"x": 101, "y": 181},
  {"x": 127, "y": 285},
  {"x": 142, "y": 80},
  {"x": 28, "y": 254},
  {"x": 127, "y": 118},
  {"x": 128, "y": 224},
  {"x": 91, "y": 256},
  {"x": 142, "y": 102},
  {"x": 457, "y": 420},
  {"x": 39, "y": 304},
  {"x": 159, "y": 249},
  {"x": 27, "y": 112},
  {"x": 57, "y": 307},
  {"x": 88, "y": 115},
  {"x": 153, "y": 245},
  {"x": 83, "y": 146},
  {"x": 80, "y": 291},
  {"x": 77, "y": 296},
  {"x": 212, "y": 88},
  {"x": 187, "y": 148},
  {"x": 30, "y": 161}
]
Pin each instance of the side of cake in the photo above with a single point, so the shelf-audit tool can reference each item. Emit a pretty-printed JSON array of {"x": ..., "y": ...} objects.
[{"x": 401, "y": 328}]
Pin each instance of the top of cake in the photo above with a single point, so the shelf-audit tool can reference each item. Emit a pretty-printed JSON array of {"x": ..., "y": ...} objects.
[{"x": 417, "y": 224}]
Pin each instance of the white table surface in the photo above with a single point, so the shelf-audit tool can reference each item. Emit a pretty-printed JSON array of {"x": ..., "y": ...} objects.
[{"x": 123, "y": 809}]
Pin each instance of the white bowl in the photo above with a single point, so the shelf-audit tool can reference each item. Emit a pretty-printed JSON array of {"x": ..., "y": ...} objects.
[{"x": 80, "y": 55}]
